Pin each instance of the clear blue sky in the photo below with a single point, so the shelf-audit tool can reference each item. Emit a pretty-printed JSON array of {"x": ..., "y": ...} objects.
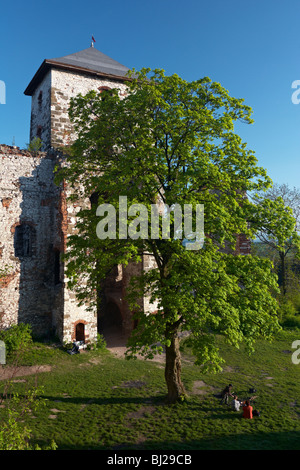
[{"x": 251, "y": 47}]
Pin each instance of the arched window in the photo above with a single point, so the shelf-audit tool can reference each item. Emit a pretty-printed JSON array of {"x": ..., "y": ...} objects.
[{"x": 24, "y": 241}]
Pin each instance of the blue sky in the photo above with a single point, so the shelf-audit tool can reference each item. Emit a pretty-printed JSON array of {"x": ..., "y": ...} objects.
[{"x": 251, "y": 47}]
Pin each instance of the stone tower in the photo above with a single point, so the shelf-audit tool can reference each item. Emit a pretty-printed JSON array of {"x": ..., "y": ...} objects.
[
  {"x": 58, "y": 80},
  {"x": 36, "y": 218}
]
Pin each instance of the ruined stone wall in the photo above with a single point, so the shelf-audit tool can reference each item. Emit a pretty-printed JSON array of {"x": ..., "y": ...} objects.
[
  {"x": 64, "y": 86},
  {"x": 27, "y": 221},
  {"x": 35, "y": 220}
]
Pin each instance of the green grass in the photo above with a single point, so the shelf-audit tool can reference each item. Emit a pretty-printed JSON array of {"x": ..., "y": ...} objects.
[{"x": 97, "y": 401}]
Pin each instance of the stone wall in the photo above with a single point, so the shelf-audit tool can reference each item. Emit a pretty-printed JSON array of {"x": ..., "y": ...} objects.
[
  {"x": 50, "y": 114},
  {"x": 73, "y": 314},
  {"x": 27, "y": 221},
  {"x": 40, "y": 122},
  {"x": 35, "y": 221}
]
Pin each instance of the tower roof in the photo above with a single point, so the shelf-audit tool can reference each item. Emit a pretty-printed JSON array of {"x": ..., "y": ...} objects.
[{"x": 89, "y": 61}]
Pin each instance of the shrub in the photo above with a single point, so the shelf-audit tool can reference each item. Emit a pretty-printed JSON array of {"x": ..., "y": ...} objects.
[
  {"x": 14, "y": 435},
  {"x": 286, "y": 308},
  {"x": 16, "y": 338},
  {"x": 291, "y": 321},
  {"x": 100, "y": 342}
]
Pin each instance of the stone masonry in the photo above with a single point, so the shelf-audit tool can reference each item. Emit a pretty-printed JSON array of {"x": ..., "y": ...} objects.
[{"x": 28, "y": 200}]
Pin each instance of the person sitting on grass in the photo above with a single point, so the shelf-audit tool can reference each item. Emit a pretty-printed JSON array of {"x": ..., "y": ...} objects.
[
  {"x": 235, "y": 403},
  {"x": 247, "y": 410}
]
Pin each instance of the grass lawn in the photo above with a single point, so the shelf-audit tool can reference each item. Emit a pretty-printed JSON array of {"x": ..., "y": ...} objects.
[{"x": 95, "y": 400}]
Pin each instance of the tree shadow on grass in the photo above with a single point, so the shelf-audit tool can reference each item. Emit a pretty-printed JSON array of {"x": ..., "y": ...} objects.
[
  {"x": 155, "y": 399},
  {"x": 289, "y": 440},
  {"x": 220, "y": 411}
]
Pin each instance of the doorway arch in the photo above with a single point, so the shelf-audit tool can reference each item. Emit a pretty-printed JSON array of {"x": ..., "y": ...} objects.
[
  {"x": 80, "y": 332},
  {"x": 110, "y": 320}
]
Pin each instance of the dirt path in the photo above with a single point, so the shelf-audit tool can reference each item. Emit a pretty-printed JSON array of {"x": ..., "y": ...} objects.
[
  {"x": 116, "y": 343},
  {"x": 11, "y": 372}
]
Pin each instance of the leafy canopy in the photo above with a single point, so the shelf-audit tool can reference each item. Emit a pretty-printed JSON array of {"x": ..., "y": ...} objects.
[{"x": 173, "y": 141}]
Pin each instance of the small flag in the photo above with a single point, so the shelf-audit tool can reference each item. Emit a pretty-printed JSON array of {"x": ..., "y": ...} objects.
[{"x": 93, "y": 39}]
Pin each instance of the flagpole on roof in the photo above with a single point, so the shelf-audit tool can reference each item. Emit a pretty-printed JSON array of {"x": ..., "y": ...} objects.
[{"x": 93, "y": 40}]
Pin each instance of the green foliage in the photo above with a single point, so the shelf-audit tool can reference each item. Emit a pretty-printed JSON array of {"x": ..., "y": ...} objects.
[
  {"x": 291, "y": 321},
  {"x": 35, "y": 145},
  {"x": 175, "y": 139},
  {"x": 100, "y": 343},
  {"x": 289, "y": 311},
  {"x": 287, "y": 308},
  {"x": 279, "y": 206},
  {"x": 14, "y": 434},
  {"x": 16, "y": 338}
]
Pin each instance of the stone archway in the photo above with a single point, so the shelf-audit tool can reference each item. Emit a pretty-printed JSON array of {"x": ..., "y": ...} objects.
[
  {"x": 110, "y": 324},
  {"x": 112, "y": 318},
  {"x": 79, "y": 331}
]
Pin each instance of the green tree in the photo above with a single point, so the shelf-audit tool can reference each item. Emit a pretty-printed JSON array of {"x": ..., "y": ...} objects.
[
  {"x": 173, "y": 141},
  {"x": 277, "y": 204}
]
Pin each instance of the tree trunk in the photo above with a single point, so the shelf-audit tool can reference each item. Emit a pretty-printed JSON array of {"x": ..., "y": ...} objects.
[
  {"x": 173, "y": 368},
  {"x": 283, "y": 273}
]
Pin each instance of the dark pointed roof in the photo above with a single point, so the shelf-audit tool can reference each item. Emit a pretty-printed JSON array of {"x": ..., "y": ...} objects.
[
  {"x": 88, "y": 61},
  {"x": 94, "y": 60}
]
